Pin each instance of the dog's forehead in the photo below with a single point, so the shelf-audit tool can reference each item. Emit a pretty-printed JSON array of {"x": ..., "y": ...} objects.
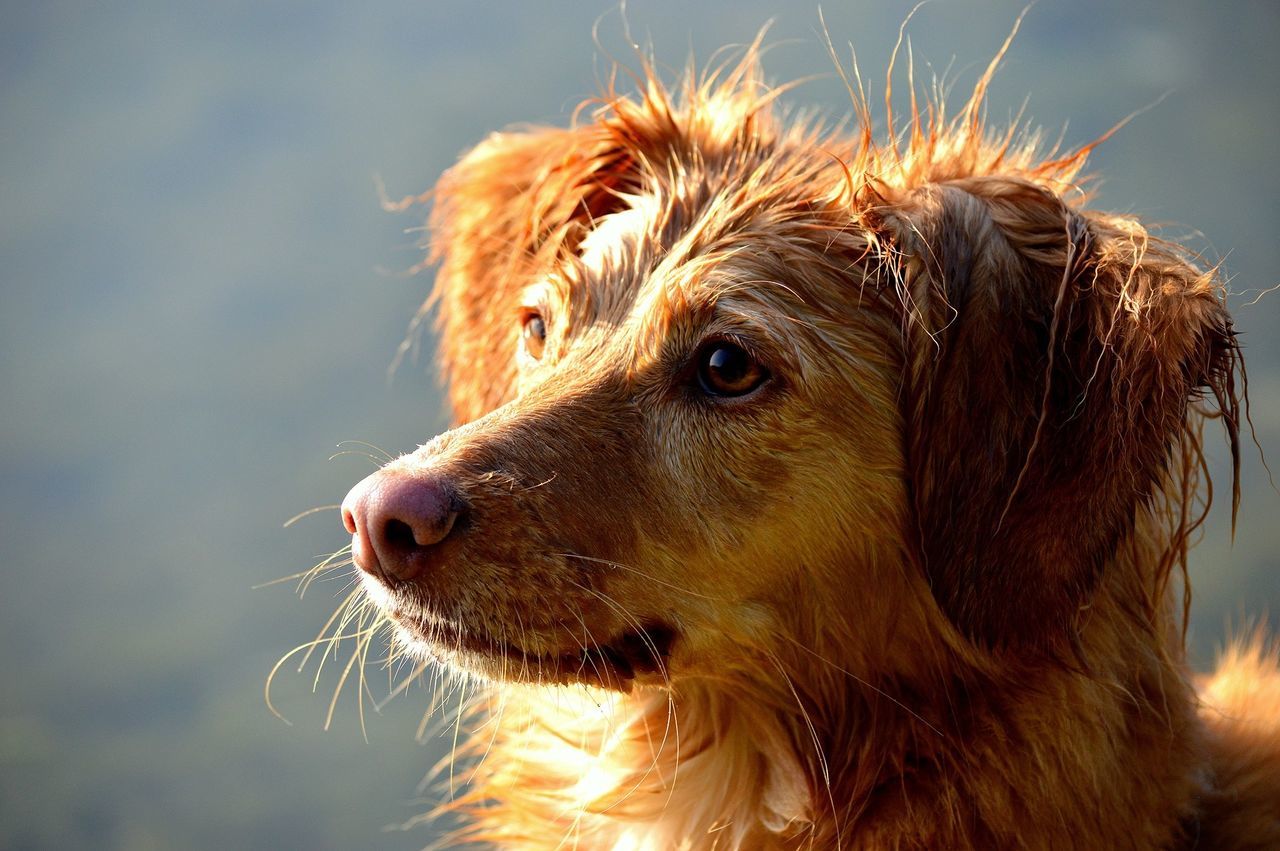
[
  {"x": 627, "y": 259},
  {"x": 674, "y": 252},
  {"x": 616, "y": 240}
]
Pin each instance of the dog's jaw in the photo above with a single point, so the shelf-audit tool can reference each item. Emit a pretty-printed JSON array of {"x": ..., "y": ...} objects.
[{"x": 639, "y": 654}]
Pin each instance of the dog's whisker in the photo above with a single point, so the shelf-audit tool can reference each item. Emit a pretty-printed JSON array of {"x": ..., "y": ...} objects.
[
  {"x": 295, "y": 518},
  {"x": 819, "y": 751},
  {"x": 638, "y": 572},
  {"x": 634, "y": 622},
  {"x": 352, "y": 662},
  {"x": 587, "y": 656},
  {"x": 336, "y": 560},
  {"x": 401, "y": 687},
  {"x": 329, "y": 573},
  {"x": 283, "y": 579},
  {"x": 546, "y": 481},
  {"x": 386, "y": 456},
  {"x": 318, "y": 569},
  {"x": 351, "y": 599},
  {"x": 496, "y": 721},
  {"x": 377, "y": 462},
  {"x": 420, "y": 735},
  {"x": 879, "y": 691},
  {"x": 457, "y": 730}
]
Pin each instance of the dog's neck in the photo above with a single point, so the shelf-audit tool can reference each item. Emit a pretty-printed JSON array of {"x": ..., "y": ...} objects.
[{"x": 803, "y": 751}]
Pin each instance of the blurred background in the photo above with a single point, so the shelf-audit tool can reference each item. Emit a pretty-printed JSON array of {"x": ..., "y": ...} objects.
[{"x": 201, "y": 297}]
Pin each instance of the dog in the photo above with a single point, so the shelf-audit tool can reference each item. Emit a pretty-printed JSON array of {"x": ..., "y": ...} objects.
[{"x": 814, "y": 491}]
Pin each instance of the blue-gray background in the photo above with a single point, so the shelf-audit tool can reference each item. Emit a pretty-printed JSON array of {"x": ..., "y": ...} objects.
[{"x": 195, "y": 312}]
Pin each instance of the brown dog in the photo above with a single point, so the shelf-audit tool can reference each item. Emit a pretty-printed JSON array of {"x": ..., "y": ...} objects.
[{"x": 810, "y": 491}]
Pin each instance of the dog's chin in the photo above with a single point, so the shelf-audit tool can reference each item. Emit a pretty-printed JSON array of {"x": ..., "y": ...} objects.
[
  {"x": 481, "y": 655},
  {"x": 637, "y": 655}
]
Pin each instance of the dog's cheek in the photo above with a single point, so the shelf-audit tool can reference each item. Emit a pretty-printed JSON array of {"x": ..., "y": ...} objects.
[
  {"x": 750, "y": 495},
  {"x": 721, "y": 471},
  {"x": 836, "y": 520}
]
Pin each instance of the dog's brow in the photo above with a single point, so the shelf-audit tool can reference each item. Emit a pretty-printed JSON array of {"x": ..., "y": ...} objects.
[
  {"x": 619, "y": 234},
  {"x": 670, "y": 319}
]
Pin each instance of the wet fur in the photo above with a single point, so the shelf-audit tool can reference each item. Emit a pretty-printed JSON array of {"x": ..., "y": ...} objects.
[{"x": 919, "y": 589}]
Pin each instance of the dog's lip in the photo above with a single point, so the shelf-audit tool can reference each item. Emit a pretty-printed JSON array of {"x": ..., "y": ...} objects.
[{"x": 613, "y": 665}]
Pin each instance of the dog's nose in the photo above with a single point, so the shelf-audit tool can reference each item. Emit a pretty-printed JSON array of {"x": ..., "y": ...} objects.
[{"x": 396, "y": 519}]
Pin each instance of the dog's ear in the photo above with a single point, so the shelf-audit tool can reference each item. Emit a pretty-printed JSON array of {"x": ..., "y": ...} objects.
[
  {"x": 1051, "y": 358},
  {"x": 499, "y": 215}
]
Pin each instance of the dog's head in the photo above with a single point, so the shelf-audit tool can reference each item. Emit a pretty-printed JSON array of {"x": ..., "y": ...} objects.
[{"x": 719, "y": 380}]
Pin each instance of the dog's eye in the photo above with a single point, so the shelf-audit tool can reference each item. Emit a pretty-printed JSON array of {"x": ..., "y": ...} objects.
[
  {"x": 534, "y": 332},
  {"x": 727, "y": 369}
]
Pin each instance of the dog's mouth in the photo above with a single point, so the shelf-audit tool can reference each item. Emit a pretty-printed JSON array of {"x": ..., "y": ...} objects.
[{"x": 639, "y": 652}]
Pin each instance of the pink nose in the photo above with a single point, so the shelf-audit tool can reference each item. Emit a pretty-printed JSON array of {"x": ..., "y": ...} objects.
[{"x": 396, "y": 520}]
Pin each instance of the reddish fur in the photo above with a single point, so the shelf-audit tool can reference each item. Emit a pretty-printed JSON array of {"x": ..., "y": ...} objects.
[{"x": 920, "y": 584}]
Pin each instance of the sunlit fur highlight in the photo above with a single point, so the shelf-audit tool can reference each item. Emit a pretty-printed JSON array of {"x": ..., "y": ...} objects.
[{"x": 886, "y": 696}]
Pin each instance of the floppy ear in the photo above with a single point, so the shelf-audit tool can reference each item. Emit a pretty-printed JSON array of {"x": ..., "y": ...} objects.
[
  {"x": 1051, "y": 358},
  {"x": 512, "y": 202}
]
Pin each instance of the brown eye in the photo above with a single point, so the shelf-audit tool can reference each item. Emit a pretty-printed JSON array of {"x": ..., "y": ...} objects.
[
  {"x": 727, "y": 369},
  {"x": 534, "y": 333}
]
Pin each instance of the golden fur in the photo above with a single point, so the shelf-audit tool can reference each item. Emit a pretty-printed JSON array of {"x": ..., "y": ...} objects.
[{"x": 914, "y": 592}]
